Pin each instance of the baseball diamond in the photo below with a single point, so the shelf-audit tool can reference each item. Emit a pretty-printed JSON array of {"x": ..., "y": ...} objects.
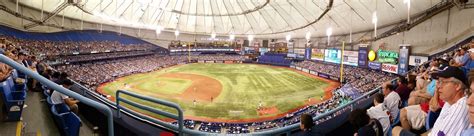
[{"x": 227, "y": 92}]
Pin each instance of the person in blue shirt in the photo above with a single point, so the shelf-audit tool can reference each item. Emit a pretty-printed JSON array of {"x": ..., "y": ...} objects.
[
  {"x": 469, "y": 63},
  {"x": 463, "y": 60}
]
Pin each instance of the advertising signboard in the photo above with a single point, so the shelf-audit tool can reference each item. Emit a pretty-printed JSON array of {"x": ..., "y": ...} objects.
[
  {"x": 390, "y": 68},
  {"x": 417, "y": 60},
  {"x": 362, "y": 56},
  {"x": 403, "y": 60},
  {"x": 317, "y": 54},
  {"x": 332, "y": 55},
  {"x": 374, "y": 65},
  {"x": 351, "y": 58},
  {"x": 387, "y": 57}
]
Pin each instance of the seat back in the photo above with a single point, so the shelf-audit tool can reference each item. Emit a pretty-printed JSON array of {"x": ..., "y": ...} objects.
[{"x": 68, "y": 122}]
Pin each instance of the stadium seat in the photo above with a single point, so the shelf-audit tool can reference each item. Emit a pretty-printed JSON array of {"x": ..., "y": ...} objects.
[
  {"x": 431, "y": 119},
  {"x": 61, "y": 108},
  {"x": 68, "y": 123},
  {"x": 13, "y": 100}
]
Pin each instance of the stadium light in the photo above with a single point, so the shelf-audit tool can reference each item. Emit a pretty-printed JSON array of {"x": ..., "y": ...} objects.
[
  {"x": 176, "y": 33},
  {"x": 329, "y": 31},
  {"x": 308, "y": 36},
  {"x": 213, "y": 35},
  {"x": 408, "y": 2},
  {"x": 288, "y": 37},
  {"x": 158, "y": 30},
  {"x": 250, "y": 37},
  {"x": 374, "y": 17},
  {"x": 231, "y": 36},
  {"x": 374, "y": 21}
]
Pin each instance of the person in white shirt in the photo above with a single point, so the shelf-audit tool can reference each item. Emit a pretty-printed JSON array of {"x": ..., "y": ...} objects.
[
  {"x": 451, "y": 88},
  {"x": 379, "y": 112},
  {"x": 392, "y": 101},
  {"x": 59, "y": 98},
  {"x": 470, "y": 104}
]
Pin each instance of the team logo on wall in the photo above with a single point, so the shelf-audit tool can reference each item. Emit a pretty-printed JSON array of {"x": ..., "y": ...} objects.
[{"x": 371, "y": 55}]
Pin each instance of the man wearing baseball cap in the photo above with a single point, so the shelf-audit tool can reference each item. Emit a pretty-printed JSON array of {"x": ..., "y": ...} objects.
[{"x": 452, "y": 87}]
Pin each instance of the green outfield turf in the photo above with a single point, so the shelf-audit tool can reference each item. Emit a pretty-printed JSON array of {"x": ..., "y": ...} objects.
[{"x": 244, "y": 87}]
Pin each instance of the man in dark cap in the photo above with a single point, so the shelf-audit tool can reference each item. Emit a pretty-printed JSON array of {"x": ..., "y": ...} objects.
[{"x": 451, "y": 88}]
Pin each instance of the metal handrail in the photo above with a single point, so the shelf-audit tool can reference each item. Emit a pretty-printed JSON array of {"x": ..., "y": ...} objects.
[
  {"x": 100, "y": 106},
  {"x": 143, "y": 107}
]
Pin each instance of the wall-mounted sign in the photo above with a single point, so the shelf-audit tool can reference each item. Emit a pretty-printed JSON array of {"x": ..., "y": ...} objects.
[
  {"x": 390, "y": 68},
  {"x": 387, "y": 57},
  {"x": 317, "y": 54},
  {"x": 371, "y": 55},
  {"x": 374, "y": 65}
]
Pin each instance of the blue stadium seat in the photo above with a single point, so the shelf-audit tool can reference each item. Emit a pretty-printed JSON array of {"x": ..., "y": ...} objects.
[
  {"x": 61, "y": 108},
  {"x": 68, "y": 123},
  {"x": 431, "y": 119},
  {"x": 12, "y": 99}
]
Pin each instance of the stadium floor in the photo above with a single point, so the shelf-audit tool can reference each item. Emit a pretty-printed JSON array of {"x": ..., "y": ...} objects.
[{"x": 37, "y": 120}]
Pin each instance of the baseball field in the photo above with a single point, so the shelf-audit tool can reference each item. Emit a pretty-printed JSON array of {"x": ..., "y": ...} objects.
[{"x": 226, "y": 92}]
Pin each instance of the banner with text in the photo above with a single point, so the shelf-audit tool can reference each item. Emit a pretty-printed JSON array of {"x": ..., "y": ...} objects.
[
  {"x": 363, "y": 55},
  {"x": 332, "y": 55},
  {"x": 317, "y": 54},
  {"x": 403, "y": 60},
  {"x": 417, "y": 60},
  {"x": 374, "y": 65},
  {"x": 390, "y": 68},
  {"x": 307, "y": 53},
  {"x": 350, "y": 58}
]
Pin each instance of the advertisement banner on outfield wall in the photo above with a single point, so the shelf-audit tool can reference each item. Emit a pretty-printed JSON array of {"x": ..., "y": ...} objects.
[
  {"x": 403, "y": 59},
  {"x": 291, "y": 55},
  {"x": 292, "y": 66},
  {"x": 374, "y": 65},
  {"x": 334, "y": 78},
  {"x": 323, "y": 75},
  {"x": 299, "y": 68},
  {"x": 317, "y": 54},
  {"x": 390, "y": 68},
  {"x": 313, "y": 72},
  {"x": 350, "y": 58},
  {"x": 263, "y": 50},
  {"x": 305, "y": 70},
  {"x": 307, "y": 53},
  {"x": 362, "y": 55},
  {"x": 299, "y": 53},
  {"x": 417, "y": 60},
  {"x": 333, "y": 56}
]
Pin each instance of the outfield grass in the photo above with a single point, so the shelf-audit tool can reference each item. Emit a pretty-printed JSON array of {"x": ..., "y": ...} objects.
[{"x": 244, "y": 86}]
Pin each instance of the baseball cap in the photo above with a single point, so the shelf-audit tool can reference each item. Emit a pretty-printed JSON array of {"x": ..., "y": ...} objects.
[{"x": 450, "y": 71}]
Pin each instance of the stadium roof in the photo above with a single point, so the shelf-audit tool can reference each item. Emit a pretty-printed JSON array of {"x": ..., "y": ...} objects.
[{"x": 240, "y": 17}]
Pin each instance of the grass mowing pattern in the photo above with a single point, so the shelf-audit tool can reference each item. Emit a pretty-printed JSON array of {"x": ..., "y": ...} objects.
[{"x": 244, "y": 87}]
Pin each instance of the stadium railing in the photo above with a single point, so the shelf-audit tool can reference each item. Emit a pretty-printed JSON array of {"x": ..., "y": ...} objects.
[
  {"x": 178, "y": 117},
  {"x": 52, "y": 85}
]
